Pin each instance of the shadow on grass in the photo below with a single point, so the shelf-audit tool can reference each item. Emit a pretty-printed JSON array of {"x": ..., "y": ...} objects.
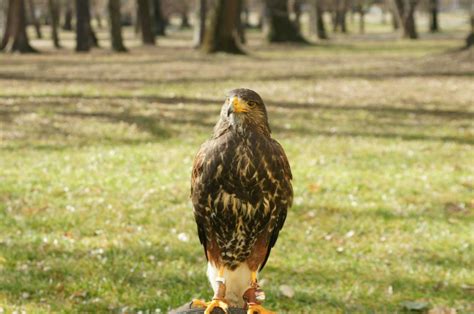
[
  {"x": 381, "y": 74},
  {"x": 164, "y": 118},
  {"x": 270, "y": 104}
]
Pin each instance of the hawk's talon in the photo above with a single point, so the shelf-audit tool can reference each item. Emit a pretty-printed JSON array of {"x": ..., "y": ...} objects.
[
  {"x": 199, "y": 303},
  {"x": 216, "y": 303},
  {"x": 210, "y": 306},
  {"x": 255, "y": 308}
]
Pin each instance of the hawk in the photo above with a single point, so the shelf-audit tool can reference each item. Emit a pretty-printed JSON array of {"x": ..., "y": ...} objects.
[{"x": 241, "y": 191}]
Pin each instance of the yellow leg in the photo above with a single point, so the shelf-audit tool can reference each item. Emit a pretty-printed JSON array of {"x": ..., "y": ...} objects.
[
  {"x": 254, "y": 296},
  {"x": 219, "y": 296}
]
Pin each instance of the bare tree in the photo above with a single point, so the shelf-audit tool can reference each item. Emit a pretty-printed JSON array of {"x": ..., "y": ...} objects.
[
  {"x": 339, "y": 15},
  {"x": 116, "y": 26},
  {"x": 148, "y": 38},
  {"x": 406, "y": 15},
  {"x": 15, "y": 37},
  {"x": 200, "y": 24},
  {"x": 222, "y": 34},
  {"x": 54, "y": 14},
  {"x": 34, "y": 18},
  {"x": 281, "y": 28},
  {"x": 434, "y": 12},
  {"x": 470, "y": 37},
  {"x": 83, "y": 27},
  {"x": 67, "y": 26},
  {"x": 318, "y": 23},
  {"x": 159, "y": 22}
]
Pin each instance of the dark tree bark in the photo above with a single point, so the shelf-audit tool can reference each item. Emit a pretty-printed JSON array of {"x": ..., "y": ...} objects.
[
  {"x": 116, "y": 26},
  {"x": 240, "y": 22},
  {"x": 67, "y": 26},
  {"x": 470, "y": 37},
  {"x": 200, "y": 25},
  {"x": 281, "y": 28},
  {"x": 15, "y": 38},
  {"x": 395, "y": 21},
  {"x": 222, "y": 34},
  {"x": 54, "y": 16},
  {"x": 34, "y": 19},
  {"x": 93, "y": 37},
  {"x": 406, "y": 16},
  {"x": 83, "y": 27},
  {"x": 184, "y": 20},
  {"x": 434, "y": 10},
  {"x": 319, "y": 16},
  {"x": 148, "y": 38},
  {"x": 339, "y": 19},
  {"x": 297, "y": 11},
  {"x": 159, "y": 22},
  {"x": 362, "y": 22},
  {"x": 361, "y": 10}
]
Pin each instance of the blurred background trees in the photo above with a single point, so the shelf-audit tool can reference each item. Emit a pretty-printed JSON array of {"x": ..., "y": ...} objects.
[{"x": 218, "y": 25}]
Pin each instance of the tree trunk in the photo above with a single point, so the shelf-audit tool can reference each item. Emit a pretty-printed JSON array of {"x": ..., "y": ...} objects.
[
  {"x": 319, "y": 15},
  {"x": 34, "y": 19},
  {"x": 297, "y": 11},
  {"x": 240, "y": 22},
  {"x": 148, "y": 38},
  {"x": 361, "y": 21},
  {"x": 221, "y": 35},
  {"x": 116, "y": 26},
  {"x": 83, "y": 27},
  {"x": 281, "y": 28},
  {"x": 67, "y": 26},
  {"x": 54, "y": 13},
  {"x": 434, "y": 9},
  {"x": 339, "y": 16},
  {"x": 395, "y": 21},
  {"x": 159, "y": 21},
  {"x": 406, "y": 15},
  {"x": 200, "y": 25},
  {"x": 93, "y": 37},
  {"x": 184, "y": 20},
  {"x": 470, "y": 37},
  {"x": 15, "y": 38}
]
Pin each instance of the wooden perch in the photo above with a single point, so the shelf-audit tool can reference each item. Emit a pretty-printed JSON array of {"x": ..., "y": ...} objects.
[{"x": 186, "y": 309}]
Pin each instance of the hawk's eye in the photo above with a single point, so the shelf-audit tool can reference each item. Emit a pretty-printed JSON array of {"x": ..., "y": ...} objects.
[{"x": 252, "y": 103}]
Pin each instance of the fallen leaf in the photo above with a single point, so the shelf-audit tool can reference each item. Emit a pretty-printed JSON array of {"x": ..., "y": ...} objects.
[
  {"x": 314, "y": 187},
  {"x": 287, "y": 291},
  {"x": 442, "y": 310},
  {"x": 415, "y": 305}
]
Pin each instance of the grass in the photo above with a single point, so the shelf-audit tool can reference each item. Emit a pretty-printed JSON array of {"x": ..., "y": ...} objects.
[{"x": 96, "y": 151}]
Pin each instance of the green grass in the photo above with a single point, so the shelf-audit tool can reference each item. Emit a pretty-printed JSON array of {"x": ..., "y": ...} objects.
[{"x": 96, "y": 152}]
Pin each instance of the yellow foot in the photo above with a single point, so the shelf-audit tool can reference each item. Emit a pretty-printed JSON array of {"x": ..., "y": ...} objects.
[
  {"x": 258, "y": 309},
  {"x": 199, "y": 303},
  {"x": 210, "y": 306}
]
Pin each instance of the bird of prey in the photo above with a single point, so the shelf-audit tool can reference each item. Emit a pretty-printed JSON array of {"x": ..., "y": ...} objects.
[{"x": 241, "y": 190}]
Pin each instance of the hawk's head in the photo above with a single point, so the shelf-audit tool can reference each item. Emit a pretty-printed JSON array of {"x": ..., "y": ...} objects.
[{"x": 244, "y": 109}]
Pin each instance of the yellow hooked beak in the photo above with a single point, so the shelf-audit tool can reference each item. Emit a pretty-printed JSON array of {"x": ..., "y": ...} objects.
[{"x": 237, "y": 105}]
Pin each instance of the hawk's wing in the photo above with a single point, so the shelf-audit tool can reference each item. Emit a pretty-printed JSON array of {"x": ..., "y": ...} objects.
[
  {"x": 283, "y": 197},
  {"x": 205, "y": 181},
  {"x": 199, "y": 211}
]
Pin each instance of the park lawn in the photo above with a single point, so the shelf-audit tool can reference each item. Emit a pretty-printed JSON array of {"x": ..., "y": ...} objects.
[{"x": 96, "y": 152}]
